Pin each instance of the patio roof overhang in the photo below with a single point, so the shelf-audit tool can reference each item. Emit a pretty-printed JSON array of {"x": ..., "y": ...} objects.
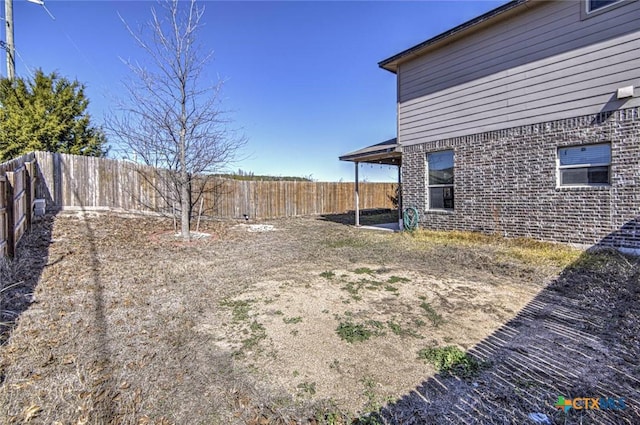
[{"x": 387, "y": 152}]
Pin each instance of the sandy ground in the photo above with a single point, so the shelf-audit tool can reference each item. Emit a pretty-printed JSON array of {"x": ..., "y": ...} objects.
[
  {"x": 120, "y": 322},
  {"x": 310, "y": 352}
]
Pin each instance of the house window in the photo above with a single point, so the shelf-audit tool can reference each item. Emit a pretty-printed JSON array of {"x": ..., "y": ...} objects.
[
  {"x": 593, "y": 5},
  {"x": 440, "y": 168},
  {"x": 587, "y": 165}
]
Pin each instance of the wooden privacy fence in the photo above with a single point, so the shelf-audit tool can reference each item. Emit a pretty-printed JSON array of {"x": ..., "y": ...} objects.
[
  {"x": 86, "y": 183},
  {"x": 270, "y": 199},
  {"x": 80, "y": 182},
  {"x": 17, "y": 196}
]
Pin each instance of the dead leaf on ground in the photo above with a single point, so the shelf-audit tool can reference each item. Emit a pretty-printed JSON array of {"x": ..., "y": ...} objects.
[{"x": 31, "y": 412}]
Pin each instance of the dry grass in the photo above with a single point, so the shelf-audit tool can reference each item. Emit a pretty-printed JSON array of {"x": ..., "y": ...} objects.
[
  {"x": 527, "y": 251},
  {"x": 128, "y": 325}
]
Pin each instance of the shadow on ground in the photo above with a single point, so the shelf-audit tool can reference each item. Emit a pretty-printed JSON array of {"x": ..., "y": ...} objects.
[
  {"x": 367, "y": 217},
  {"x": 20, "y": 276},
  {"x": 579, "y": 337}
]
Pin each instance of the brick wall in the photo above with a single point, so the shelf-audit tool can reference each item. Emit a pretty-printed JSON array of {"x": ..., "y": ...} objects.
[{"x": 506, "y": 183}]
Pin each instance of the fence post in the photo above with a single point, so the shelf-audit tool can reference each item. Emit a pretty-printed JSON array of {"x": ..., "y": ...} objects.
[
  {"x": 11, "y": 224},
  {"x": 56, "y": 181},
  {"x": 34, "y": 184},
  {"x": 28, "y": 167}
]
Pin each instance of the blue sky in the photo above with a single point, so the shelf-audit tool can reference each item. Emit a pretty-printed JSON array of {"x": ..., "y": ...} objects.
[{"x": 301, "y": 77}]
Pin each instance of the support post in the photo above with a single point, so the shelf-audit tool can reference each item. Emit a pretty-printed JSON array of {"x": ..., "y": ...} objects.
[{"x": 357, "y": 196}]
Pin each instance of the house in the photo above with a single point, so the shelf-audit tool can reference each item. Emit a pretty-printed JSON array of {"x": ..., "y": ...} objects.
[{"x": 525, "y": 121}]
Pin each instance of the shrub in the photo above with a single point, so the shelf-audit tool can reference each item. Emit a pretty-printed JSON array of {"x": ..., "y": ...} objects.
[{"x": 450, "y": 360}]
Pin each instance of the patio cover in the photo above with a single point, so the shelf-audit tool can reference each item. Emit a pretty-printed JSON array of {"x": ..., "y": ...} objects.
[{"x": 387, "y": 153}]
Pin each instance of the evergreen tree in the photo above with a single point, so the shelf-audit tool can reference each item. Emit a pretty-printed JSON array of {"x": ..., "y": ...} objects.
[{"x": 48, "y": 113}]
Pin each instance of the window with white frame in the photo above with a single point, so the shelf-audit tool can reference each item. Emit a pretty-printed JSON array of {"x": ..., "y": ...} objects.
[
  {"x": 440, "y": 180},
  {"x": 593, "y": 5},
  {"x": 587, "y": 165}
]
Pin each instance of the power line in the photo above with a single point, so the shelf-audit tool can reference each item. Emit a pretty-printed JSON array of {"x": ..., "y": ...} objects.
[
  {"x": 9, "y": 45},
  {"x": 24, "y": 62}
]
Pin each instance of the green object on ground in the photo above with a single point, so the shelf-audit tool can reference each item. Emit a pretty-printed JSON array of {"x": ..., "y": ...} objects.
[{"x": 410, "y": 218}]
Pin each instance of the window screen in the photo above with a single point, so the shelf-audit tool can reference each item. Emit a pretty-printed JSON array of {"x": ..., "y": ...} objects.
[
  {"x": 584, "y": 165},
  {"x": 585, "y": 155}
]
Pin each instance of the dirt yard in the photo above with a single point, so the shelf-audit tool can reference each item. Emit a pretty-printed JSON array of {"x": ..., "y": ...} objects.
[{"x": 309, "y": 320}]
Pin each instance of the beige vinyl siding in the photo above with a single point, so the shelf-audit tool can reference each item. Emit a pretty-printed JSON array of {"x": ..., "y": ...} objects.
[
  {"x": 486, "y": 49},
  {"x": 555, "y": 72},
  {"x": 544, "y": 64}
]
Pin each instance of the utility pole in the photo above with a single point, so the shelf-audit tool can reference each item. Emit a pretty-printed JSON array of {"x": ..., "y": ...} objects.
[{"x": 11, "y": 58}]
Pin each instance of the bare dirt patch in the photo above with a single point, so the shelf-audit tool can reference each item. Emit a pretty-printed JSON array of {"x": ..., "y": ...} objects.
[
  {"x": 303, "y": 318},
  {"x": 289, "y": 328}
]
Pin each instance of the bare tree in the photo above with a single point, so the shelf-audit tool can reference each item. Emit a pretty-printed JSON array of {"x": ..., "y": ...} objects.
[{"x": 168, "y": 118}]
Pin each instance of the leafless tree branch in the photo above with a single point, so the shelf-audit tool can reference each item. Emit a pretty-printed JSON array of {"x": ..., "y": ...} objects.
[{"x": 168, "y": 118}]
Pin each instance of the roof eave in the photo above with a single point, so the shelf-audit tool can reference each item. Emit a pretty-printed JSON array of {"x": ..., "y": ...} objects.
[
  {"x": 391, "y": 157},
  {"x": 387, "y": 152},
  {"x": 391, "y": 64}
]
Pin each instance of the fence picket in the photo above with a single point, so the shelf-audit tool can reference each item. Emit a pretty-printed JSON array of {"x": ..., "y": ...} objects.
[{"x": 10, "y": 214}]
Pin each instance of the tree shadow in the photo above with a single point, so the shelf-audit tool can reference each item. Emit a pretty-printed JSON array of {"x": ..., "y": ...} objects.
[
  {"x": 579, "y": 337},
  {"x": 368, "y": 217},
  {"x": 103, "y": 390}
]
